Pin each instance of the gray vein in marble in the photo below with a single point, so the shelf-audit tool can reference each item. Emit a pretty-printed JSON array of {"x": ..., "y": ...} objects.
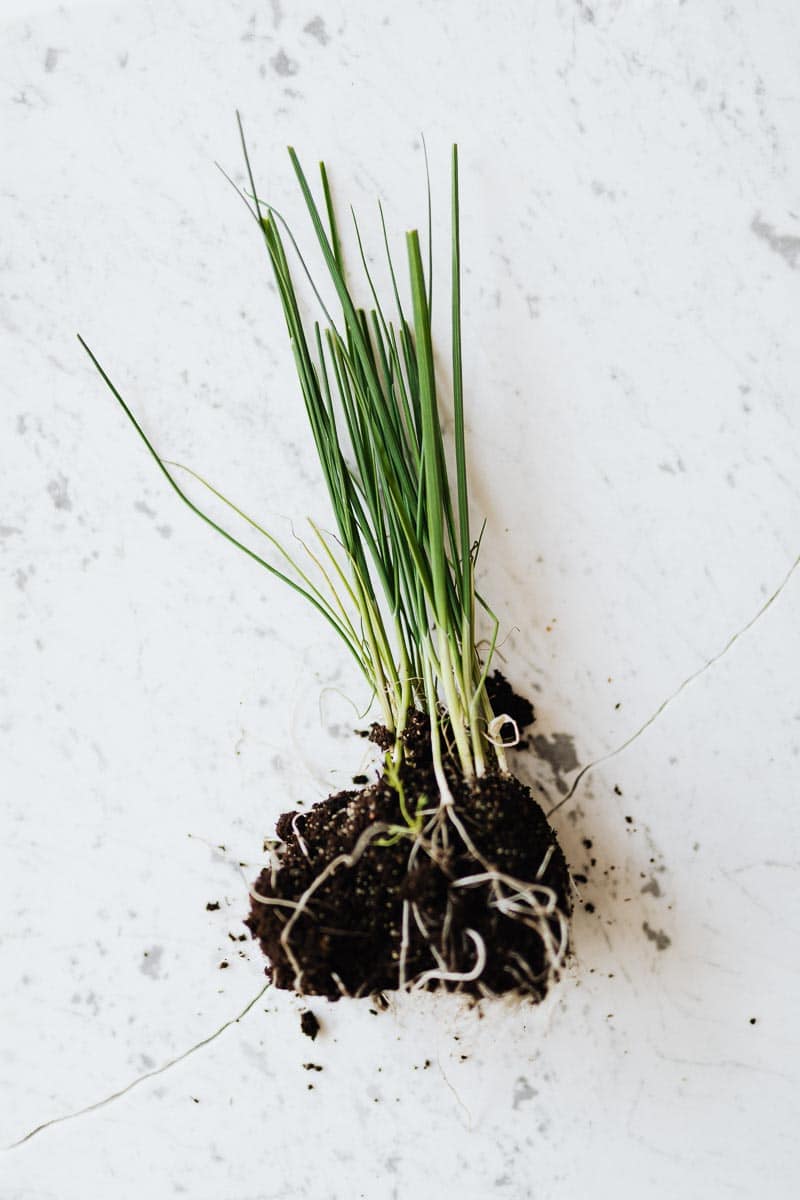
[
  {"x": 732, "y": 640},
  {"x": 522, "y": 1092},
  {"x": 283, "y": 65},
  {"x": 316, "y": 27},
  {"x": 459, "y": 1101},
  {"x": 173, "y": 1062},
  {"x": 661, "y": 939},
  {"x": 787, "y": 245},
  {"x": 58, "y": 490},
  {"x": 151, "y": 962}
]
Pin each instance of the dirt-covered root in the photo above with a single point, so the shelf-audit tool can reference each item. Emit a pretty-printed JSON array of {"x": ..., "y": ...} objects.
[{"x": 475, "y": 899}]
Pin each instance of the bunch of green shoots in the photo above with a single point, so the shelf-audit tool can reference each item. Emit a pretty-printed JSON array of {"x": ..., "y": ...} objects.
[{"x": 397, "y": 580}]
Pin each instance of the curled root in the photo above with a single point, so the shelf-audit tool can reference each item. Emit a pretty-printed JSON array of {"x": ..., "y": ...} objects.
[
  {"x": 461, "y": 917},
  {"x": 342, "y": 860}
]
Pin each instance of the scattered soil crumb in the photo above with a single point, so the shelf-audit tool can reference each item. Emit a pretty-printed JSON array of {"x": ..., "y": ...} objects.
[
  {"x": 309, "y": 1024},
  {"x": 381, "y": 736}
]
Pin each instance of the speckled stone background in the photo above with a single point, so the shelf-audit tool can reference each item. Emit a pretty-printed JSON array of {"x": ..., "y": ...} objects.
[{"x": 631, "y": 224}]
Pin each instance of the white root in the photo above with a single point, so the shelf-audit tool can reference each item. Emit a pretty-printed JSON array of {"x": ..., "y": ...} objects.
[
  {"x": 404, "y": 944},
  {"x": 457, "y": 976},
  {"x": 275, "y": 901},
  {"x": 423, "y": 930},
  {"x": 494, "y": 728},
  {"x": 446, "y": 923},
  {"x": 545, "y": 863},
  {"x": 523, "y": 904},
  {"x": 274, "y": 862},
  {"x": 300, "y": 840},
  {"x": 341, "y": 860},
  {"x": 337, "y": 979},
  {"x": 533, "y": 904}
]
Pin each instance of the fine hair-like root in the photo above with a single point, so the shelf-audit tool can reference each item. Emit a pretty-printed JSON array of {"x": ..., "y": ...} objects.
[
  {"x": 532, "y": 903},
  {"x": 495, "y": 727},
  {"x": 301, "y": 906}
]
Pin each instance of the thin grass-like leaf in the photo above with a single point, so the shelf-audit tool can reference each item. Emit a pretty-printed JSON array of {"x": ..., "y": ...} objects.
[{"x": 402, "y": 583}]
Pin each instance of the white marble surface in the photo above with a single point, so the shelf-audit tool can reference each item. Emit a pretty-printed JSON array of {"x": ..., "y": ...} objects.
[{"x": 632, "y": 250}]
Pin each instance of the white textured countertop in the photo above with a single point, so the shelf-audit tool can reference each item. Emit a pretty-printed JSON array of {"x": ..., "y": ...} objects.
[{"x": 631, "y": 242}]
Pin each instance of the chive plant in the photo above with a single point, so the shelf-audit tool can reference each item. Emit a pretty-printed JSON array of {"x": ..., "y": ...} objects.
[
  {"x": 397, "y": 581},
  {"x": 471, "y": 891}
]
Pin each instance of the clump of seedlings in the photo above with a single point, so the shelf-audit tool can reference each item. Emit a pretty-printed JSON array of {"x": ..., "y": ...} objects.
[{"x": 443, "y": 872}]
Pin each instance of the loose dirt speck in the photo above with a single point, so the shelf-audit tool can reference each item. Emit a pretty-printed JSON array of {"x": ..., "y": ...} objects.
[{"x": 309, "y": 1024}]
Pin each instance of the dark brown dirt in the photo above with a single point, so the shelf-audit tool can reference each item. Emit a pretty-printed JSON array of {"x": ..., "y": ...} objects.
[
  {"x": 348, "y": 941},
  {"x": 309, "y": 1024},
  {"x": 504, "y": 699}
]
